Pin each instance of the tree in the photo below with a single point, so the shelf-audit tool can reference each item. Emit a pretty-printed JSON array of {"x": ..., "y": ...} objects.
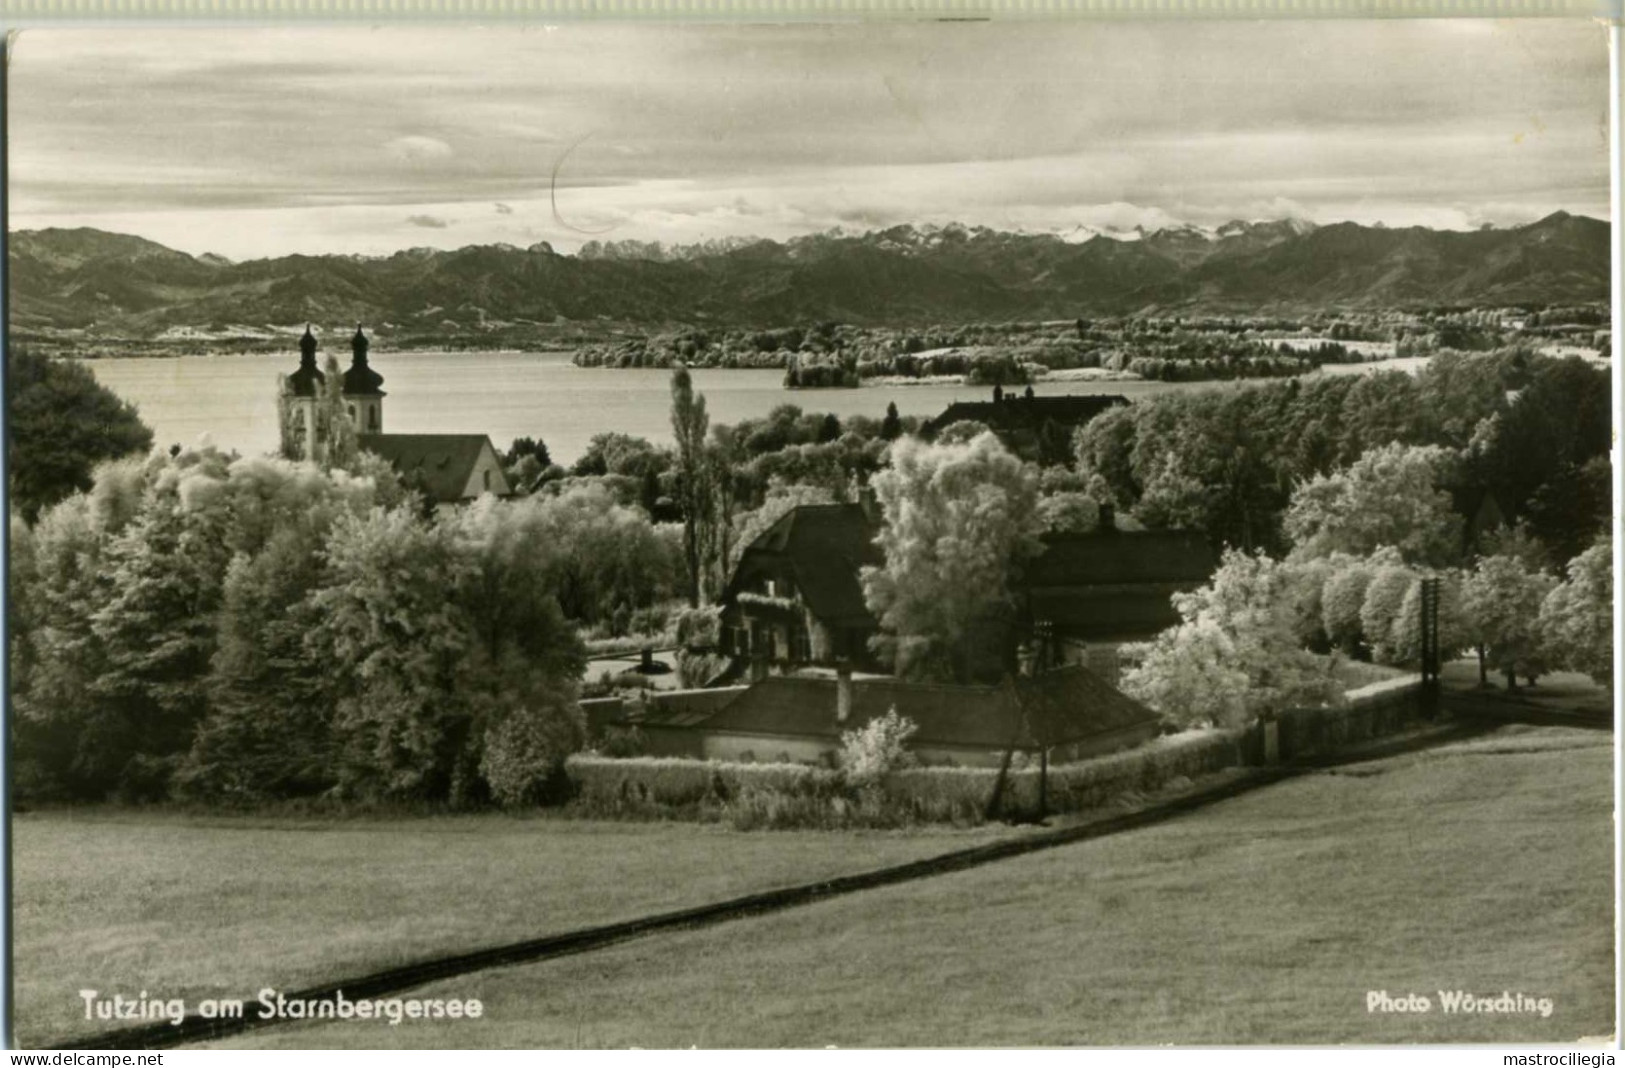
[
  {"x": 1233, "y": 656},
  {"x": 393, "y": 640},
  {"x": 1405, "y": 632},
  {"x": 689, "y": 423},
  {"x": 891, "y": 428},
  {"x": 60, "y": 424},
  {"x": 335, "y": 428},
  {"x": 959, "y": 521},
  {"x": 1384, "y": 599},
  {"x": 1501, "y": 601},
  {"x": 1389, "y": 496},
  {"x": 1576, "y": 617},
  {"x": 1069, "y": 512},
  {"x": 535, "y": 448}
]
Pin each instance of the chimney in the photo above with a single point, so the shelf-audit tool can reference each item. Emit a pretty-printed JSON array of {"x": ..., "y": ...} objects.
[
  {"x": 648, "y": 665},
  {"x": 1108, "y": 516},
  {"x": 843, "y": 693}
]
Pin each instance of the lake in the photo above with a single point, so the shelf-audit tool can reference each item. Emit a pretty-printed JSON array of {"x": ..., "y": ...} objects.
[{"x": 507, "y": 395}]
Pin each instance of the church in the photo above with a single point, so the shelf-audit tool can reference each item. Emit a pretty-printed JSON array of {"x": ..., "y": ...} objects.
[{"x": 447, "y": 469}]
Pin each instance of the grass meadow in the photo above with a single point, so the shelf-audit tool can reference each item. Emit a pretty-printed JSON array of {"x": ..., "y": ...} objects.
[
  {"x": 191, "y": 907},
  {"x": 1484, "y": 865}
]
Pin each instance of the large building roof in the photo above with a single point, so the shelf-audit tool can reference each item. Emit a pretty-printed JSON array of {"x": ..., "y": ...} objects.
[
  {"x": 1112, "y": 556},
  {"x": 1022, "y": 412},
  {"x": 438, "y": 464},
  {"x": 823, "y": 546},
  {"x": 1060, "y": 707},
  {"x": 1115, "y": 584}
]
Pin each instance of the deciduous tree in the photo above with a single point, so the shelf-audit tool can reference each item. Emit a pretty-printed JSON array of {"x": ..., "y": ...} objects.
[{"x": 959, "y": 521}]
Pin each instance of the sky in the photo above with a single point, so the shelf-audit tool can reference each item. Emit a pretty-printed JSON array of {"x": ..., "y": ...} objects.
[{"x": 262, "y": 142}]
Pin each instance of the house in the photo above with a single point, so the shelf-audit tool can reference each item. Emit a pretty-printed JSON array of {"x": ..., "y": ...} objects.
[
  {"x": 1096, "y": 591},
  {"x": 1070, "y": 713},
  {"x": 1031, "y": 426},
  {"x": 796, "y": 597},
  {"x": 445, "y": 468},
  {"x": 1026, "y": 412}
]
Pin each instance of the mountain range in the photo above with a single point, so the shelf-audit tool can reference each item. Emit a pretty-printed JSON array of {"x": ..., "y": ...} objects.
[{"x": 117, "y": 285}]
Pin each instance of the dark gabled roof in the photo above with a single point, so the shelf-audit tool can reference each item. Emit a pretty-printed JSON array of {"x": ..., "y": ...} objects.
[
  {"x": 823, "y": 546},
  {"x": 1113, "y": 557},
  {"x": 1021, "y": 412},
  {"x": 438, "y": 464},
  {"x": 1136, "y": 613},
  {"x": 1056, "y": 708},
  {"x": 1115, "y": 584}
]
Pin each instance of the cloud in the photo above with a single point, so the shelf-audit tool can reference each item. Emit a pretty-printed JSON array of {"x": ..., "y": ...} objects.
[
  {"x": 416, "y": 148},
  {"x": 781, "y": 130}
]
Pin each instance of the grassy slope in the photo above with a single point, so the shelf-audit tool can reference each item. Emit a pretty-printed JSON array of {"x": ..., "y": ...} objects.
[
  {"x": 1486, "y": 865},
  {"x": 188, "y": 907}
]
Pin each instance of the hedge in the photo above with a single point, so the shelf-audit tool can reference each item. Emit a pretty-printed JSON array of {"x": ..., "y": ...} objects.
[{"x": 802, "y": 795}]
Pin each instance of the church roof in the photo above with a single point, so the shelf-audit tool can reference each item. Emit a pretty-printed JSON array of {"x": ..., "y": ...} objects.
[
  {"x": 361, "y": 380},
  {"x": 308, "y": 380},
  {"x": 438, "y": 464}
]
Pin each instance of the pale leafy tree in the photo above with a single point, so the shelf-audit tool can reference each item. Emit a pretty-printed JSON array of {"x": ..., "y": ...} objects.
[
  {"x": 962, "y": 432},
  {"x": 155, "y": 624},
  {"x": 394, "y": 640},
  {"x": 598, "y": 555},
  {"x": 519, "y": 683},
  {"x": 1234, "y": 656},
  {"x": 1501, "y": 601},
  {"x": 959, "y": 521},
  {"x": 1173, "y": 498},
  {"x": 1576, "y": 618},
  {"x": 878, "y": 747},
  {"x": 1306, "y": 587},
  {"x": 1342, "y": 598},
  {"x": 1069, "y": 512},
  {"x": 1380, "y": 608},
  {"x": 1405, "y": 632},
  {"x": 339, "y": 439},
  {"x": 1389, "y": 496}
]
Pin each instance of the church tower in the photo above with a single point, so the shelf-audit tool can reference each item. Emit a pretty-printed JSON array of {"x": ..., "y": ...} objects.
[
  {"x": 363, "y": 395},
  {"x": 301, "y": 392}
]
